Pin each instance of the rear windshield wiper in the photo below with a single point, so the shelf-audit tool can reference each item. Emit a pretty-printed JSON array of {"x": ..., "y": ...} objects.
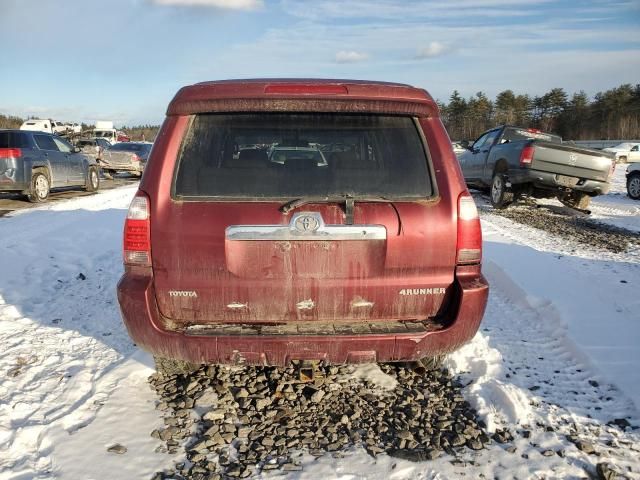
[{"x": 348, "y": 200}]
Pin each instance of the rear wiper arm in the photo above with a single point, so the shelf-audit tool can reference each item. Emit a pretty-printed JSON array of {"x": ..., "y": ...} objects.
[
  {"x": 348, "y": 200},
  {"x": 298, "y": 202}
]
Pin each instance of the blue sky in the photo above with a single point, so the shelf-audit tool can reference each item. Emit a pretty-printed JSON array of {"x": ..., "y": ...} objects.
[{"x": 123, "y": 60}]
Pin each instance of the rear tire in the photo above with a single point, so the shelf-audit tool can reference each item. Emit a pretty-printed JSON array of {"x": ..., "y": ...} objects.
[
  {"x": 633, "y": 186},
  {"x": 170, "y": 367},
  {"x": 577, "y": 200},
  {"x": 501, "y": 196},
  {"x": 40, "y": 187},
  {"x": 93, "y": 180}
]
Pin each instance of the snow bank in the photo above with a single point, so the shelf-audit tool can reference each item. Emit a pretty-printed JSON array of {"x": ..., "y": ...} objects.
[{"x": 497, "y": 401}]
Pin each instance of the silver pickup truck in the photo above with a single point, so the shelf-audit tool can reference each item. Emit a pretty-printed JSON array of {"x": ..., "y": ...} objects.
[{"x": 514, "y": 161}]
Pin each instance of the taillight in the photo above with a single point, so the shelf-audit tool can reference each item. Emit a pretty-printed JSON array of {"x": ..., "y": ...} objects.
[
  {"x": 469, "y": 248},
  {"x": 137, "y": 238},
  {"x": 613, "y": 168},
  {"x": 10, "y": 152},
  {"x": 526, "y": 156}
]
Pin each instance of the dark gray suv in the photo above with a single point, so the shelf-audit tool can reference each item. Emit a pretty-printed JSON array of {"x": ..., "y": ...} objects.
[{"x": 33, "y": 163}]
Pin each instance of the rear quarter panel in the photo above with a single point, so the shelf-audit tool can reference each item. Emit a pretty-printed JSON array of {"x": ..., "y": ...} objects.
[{"x": 34, "y": 158}]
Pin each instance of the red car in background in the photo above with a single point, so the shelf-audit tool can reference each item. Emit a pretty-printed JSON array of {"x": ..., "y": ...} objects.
[
  {"x": 301, "y": 220},
  {"x": 122, "y": 137}
]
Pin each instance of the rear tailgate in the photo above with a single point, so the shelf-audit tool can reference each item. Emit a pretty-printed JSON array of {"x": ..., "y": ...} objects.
[
  {"x": 204, "y": 275},
  {"x": 220, "y": 254},
  {"x": 571, "y": 161}
]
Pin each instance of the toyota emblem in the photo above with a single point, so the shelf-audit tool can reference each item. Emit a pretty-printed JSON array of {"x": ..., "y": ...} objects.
[{"x": 306, "y": 224}]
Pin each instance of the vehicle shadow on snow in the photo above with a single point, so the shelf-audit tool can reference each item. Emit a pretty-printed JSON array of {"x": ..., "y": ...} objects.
[{"x": 60, "y": 269}]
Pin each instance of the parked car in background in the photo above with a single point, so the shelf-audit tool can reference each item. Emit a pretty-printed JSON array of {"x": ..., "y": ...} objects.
[
  {"x": 38, "y": 125},
  {"x": 59, "y": 128},
  {"x": 125, "y": 157},
  {"x": 626, "y": 152},
  {"x": 458, "y": 147},
  {"x": 105, "y": 129},
  {"x": 232, "y": 258},
  {"x": 633, "y": 181},
  {"x": 92, "y": 146},
  {"x": 514, "y": 161},
  {"x": 34, "y": 163},
  {"x": 284, "y": 155},
  {"x": 73, "y": 127},
  {"x": 109, "y": 135}
]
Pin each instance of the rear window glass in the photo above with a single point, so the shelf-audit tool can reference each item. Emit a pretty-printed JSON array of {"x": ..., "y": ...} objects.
[
  {"x": 13, "y": 140},
  {"x": 263, "y": 156},
  {"x": 130, "y": 147}
]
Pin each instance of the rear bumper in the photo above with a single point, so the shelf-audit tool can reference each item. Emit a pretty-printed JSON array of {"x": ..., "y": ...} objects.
[
  {"x": 549, "y": 181},
  {"x": 121, "y": 168},
  {"x": 9, "y": 184},
  {"x": 141, "y": 316}
]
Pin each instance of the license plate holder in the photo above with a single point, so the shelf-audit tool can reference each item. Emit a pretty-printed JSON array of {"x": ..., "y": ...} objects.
[{"x": 567, "y": 181}]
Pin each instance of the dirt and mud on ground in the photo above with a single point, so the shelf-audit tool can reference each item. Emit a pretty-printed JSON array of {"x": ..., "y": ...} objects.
[{"x": 566, "y": 223}]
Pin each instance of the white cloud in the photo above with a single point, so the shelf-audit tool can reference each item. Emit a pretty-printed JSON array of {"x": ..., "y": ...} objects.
[
  {"x": 350, "y": 56},
  {"x": 434, "y": 49},
  {"x": 221, "y": 4},
  {"x": 402, "y": 10}
]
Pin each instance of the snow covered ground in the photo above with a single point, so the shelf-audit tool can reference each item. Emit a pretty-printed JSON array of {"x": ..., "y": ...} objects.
[{"x": 557, "y": 355}]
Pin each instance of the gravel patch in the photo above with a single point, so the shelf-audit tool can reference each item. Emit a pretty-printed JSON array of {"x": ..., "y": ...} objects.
[
  {"x": 570, "y": 224},
  {"x": 263, "y": 417}
]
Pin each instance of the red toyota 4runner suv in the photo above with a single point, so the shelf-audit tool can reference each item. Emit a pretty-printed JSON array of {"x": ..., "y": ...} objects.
[{"x": 302, "y": 220}]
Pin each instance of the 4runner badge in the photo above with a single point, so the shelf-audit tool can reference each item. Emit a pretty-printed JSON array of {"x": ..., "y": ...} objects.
[
  {"x": 422, "y": 291},
  {"x": 183, "y": 293}
]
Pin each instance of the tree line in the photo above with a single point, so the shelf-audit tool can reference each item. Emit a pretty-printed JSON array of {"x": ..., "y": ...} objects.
[
  {"x": 145, "y": 133},
  {"x": 136, "y": 133},
  {"x": 612, "y": 114}
]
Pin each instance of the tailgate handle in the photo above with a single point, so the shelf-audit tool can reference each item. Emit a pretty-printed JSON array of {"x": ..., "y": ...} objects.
[{"x": 307, "y": 226}]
